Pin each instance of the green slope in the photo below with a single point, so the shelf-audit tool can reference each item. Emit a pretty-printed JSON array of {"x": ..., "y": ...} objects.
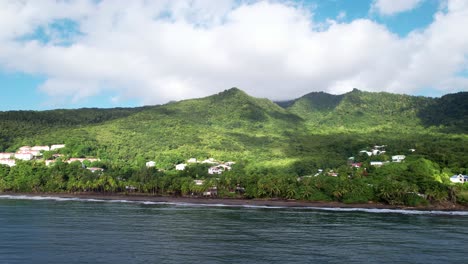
[
  {"x": 360, "y": 111},
  {"x": 318, "y": 130}
]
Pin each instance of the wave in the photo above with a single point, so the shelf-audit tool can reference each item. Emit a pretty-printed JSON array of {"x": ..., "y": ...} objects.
[{"x": 333, "y": 209}]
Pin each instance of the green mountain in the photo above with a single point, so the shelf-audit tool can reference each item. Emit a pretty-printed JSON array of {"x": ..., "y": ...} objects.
[
  {"x": 318, "y": 130},
  {"x": 360, "y": 111},
  {"x": 276, "y": 147}
]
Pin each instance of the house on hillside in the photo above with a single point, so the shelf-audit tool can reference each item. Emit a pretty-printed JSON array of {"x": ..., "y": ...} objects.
[
  {"x": 180, "y": 167},
  {"x": 94, "y": 169},
  {"x": 24, "y": 149},
  {"x": 459, "y": 178},
  {"x": 209, "y": 161},
  {"x": 6, "y": 155},
  {"x": 192, "y": 160},
  {"x": 40, "y": 148},
  {"x": 213, "y": 191},
  {"x": 215, "y": 170},
  {"x": 368, "y": 153},
  {"x": 376, "y": 163},
  {"x": 24, "y": 156},
  {"x": 82, "y": 160},
  {"x": 398, "y": 158},
  {"x": 150, "y": 164},
  {"x": 58, "y": 146},
  {"x": 199, "y": 182},
  {"x": 8, "y": 162},
  {"x": 49, "y": 162},
  {"x": 356, "y": 164},
  {"x": 218, "y": 169}
]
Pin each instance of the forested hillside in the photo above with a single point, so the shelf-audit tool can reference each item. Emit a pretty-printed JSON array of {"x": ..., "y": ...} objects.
[{"x": 288, "y": 139}]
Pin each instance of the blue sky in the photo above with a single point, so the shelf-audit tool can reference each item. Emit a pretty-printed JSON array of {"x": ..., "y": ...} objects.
[{"x": 72, "y": 54}]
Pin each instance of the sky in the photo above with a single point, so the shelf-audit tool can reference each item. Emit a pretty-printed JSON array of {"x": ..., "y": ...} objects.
[{"x": 120, "y": 53}]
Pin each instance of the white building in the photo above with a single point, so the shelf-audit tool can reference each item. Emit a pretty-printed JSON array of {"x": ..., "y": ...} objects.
[
  {"x": 94, "y": 169},
  {"x": 58, "y": 146},
  {"x": 150, "y": 164},
  {"x": 24, "y": 156},
  {"x": 192, "y": 160},
  {"x": 40, "y": 148},
  {"x": 82, "y": 160},
  {"x": 398, "y": 158},
  {"x": 8, "y": 162},
  {"x": 180, "y": 167},
  {"x": 24, "y": 149},
  {"x": 49, "y": 162},
  {"x": 218, "y": 169},
  {"x": 198, "y": 182},
  {"x": 459, "y": 178},
  {"x": 209, "y": 161},
  {"x": 6, "y": 155},
  {"x": 376, "y": 163},
  {"x": 369, "y": 153}
]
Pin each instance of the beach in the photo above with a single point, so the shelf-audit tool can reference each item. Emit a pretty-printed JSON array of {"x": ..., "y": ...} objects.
[{"x": 236, "y": 201}]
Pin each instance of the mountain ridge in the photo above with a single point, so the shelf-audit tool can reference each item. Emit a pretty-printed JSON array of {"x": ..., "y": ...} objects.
[{"x": 316, "y": 130}]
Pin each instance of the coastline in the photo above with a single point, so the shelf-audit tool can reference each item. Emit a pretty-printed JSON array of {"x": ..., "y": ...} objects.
[{"x": 236, "y": 201}]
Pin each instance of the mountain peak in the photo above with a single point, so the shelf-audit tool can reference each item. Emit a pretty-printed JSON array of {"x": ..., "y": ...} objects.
[{"x": 232, "y": 91}]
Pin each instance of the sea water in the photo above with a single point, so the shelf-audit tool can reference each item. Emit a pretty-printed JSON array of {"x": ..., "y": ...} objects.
[{"x": 70, "y": 230}]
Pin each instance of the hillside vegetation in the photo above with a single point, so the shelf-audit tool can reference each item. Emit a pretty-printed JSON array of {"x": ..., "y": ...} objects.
[{"x": 290, "y": 139}]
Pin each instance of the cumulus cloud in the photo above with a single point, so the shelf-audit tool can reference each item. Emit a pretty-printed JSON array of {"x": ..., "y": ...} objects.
[
  {"x": 392, "y": 7},
  {"x": 157, "y": 51}
]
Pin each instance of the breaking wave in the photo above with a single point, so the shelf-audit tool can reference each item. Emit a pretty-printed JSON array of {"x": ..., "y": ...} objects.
[{"x": 333, "y": 209}]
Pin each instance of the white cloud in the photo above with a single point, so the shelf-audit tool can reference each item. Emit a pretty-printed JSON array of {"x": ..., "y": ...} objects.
[
  {"x": 157, "y": 51},
  {"x": 392, "y": 7}
]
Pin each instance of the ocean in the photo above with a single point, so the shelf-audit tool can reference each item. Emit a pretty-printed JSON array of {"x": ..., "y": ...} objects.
[{"x": 70, "y": 230}]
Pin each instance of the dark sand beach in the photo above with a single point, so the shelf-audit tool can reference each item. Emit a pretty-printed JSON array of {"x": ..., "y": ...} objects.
[{"x": 238, "y": 202}]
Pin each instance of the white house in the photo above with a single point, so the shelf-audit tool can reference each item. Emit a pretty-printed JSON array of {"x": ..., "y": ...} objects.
[
  {"x": 150, "y": 164},
  {"x": 198, "y": 182},
  {"x": 230, "y": 163},
  {"x": 24, "y": 156},
  {"x": 398, "y": 158},
  {"x": 209, "y": 161},
  {"x": 24, "y": 149},
  {"x": 49, "y": 162},
  {"x": 94, "y": 169},
  {"x": 82, "y": 159},
  {"x": 40, "y": 148},
  {"x": 369, "y": 153},
  {"x": 218, "y": 169},
  {"x": 215, "y": 170},
  {"x": 376, "y": 163},
  {"x": 459, "y": 178},
  {"x": 213, "y": 191},
  {"x": 58, "y": 146},
  {"x": 6, "y": 155},
  {"x": 8, "y": 162},
  {"x": 180, "y": 167},
  {"x": 192, "y": 160}
]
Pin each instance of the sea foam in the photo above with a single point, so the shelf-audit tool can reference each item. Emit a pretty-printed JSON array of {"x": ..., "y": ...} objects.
[{"x": 333, "y": 209}]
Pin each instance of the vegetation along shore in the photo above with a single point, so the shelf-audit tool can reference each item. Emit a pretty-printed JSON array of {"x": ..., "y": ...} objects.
[{"x": 357, "y": 149}]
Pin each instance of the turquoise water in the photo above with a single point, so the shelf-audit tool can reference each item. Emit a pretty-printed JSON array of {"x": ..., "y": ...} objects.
[{"x": 73, "y": 231}]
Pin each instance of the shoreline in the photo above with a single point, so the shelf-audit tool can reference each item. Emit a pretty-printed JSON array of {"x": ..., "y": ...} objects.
[{"x": 237, "y": 201}]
